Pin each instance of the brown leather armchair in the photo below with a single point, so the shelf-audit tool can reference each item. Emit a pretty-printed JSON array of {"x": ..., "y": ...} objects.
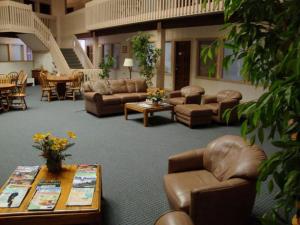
[
  {"x": 215, "y": 184},
  {"x": 219, "y": 103},
  {"x": 174, "y": 218},
  {"x": 186, "y": 95}
]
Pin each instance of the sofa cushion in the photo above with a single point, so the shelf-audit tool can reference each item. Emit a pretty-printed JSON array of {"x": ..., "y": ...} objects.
[
  {"x": 130, "y": 86},
  {"x": 118, "y": 86},
  {"x": 87, "y": 87},
  {"x": 193, "y": 110},
  {"x": 142, "y": 95},
  {"x": 177, "y": 101},
  {"x": 111, "y": 100},
  {"x": 128, "y": 97},
  {"x": 214, "y": 107},
  {"x": 228, "y": 94},
  {"x": 101, "y": 86},
  {"x": 140, "y": 85},
  {"x": 179, "y": 186}
]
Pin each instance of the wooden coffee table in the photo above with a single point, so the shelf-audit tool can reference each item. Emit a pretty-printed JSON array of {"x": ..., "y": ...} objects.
[
  {"x": 62, "y": 214},
  {"x": 150, "y": 109}
]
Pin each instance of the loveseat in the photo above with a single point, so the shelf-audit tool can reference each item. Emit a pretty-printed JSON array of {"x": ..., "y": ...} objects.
[{"x": 105, "y": 97}]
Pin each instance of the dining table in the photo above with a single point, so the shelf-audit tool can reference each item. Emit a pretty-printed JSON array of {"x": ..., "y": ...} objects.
[
  {"x": 61, "y": 83},
  {"x": 4, "y": 88}
]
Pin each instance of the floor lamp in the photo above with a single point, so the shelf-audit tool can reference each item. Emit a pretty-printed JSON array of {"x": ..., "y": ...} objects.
[{"x": 128, "y": 62}]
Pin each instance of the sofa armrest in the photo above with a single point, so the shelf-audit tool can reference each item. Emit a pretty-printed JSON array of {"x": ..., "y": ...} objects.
[
  {"x": 209, "y": 99},
  {"x": 186, "y": 161},
  {"x": 224, "y": 198},
  {"x": 193, "y": 99},
  {"x": 175, "y": 94},
  {"x": 93, "y": 97}
]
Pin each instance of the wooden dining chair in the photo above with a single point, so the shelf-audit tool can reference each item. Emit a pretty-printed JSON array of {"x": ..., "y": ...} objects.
[
  {"x": 18, "y": 99},
  {"x": 48, "y": 90},
  {"x": 74, "y": 87},
  {"x": 13, "y": 77}
]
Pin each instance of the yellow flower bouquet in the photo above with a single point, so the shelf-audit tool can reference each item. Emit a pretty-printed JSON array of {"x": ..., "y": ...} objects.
[
  {"x": 156, "y": 95},
  {"x": 53, "y": 149}
]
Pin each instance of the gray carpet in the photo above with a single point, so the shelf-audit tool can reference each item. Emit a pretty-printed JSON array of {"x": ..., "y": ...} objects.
[{"x": 134, "y": 158}]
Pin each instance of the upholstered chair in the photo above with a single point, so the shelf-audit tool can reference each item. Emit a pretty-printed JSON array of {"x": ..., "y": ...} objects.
[
  {"x": 227, "y": 99},
  {"x": 174, "y": 218},
  {"x": 186, "y": 95},
  {"x": 215, "y": 184}
]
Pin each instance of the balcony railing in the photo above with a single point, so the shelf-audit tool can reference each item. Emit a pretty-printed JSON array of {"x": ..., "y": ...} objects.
[{"x": 110, "y": 13}]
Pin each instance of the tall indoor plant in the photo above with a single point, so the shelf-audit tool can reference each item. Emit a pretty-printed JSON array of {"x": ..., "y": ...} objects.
[
  {"x": 266, "y": 36},
  {"x": 146, "y": 54},
  {"x": 107, "y": 64}
]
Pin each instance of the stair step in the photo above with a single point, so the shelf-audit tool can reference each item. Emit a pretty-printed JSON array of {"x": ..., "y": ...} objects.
[{"x": 71, "y": 58}]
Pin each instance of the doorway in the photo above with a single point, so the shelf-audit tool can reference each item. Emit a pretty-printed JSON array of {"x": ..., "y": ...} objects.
[{"x": 182, "y": 64}]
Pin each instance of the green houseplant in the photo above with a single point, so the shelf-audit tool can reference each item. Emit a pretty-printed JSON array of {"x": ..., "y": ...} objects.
[
  {"x": 266, "y": 36},
  {"x": 146, "y": 54},
  {"x": 107, "y": 64}
]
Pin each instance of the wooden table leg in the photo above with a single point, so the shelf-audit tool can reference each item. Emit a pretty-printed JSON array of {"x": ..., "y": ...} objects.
[
  {"x": 172, "y": 115},
  {"x": 126, "y": 113},
  {"x": 145, "y": 119}
]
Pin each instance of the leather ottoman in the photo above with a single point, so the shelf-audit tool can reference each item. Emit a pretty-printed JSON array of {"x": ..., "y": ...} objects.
[{"x": 193, "y": 114}]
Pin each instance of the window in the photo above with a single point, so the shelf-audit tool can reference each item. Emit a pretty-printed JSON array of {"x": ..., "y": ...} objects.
[
  {"x": 4, "y": 56},
  {"x": 17, "y": 53},
  {"x": 233, "y": 72},
  {"x": 29, "y": 54},
  {"x": 203, "y": 68},
  {"x": 168, "y": 53},
  {"x": 114, "y": 51},
  {"x": 116, "y": 55}
]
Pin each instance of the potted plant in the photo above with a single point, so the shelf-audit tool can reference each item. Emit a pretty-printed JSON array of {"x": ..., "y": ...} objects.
[
  {"x": 146, "y": 54},
  {"x": 107, "y": 64},
  {"x": 265, "y": 35},
  {"x": 53, "y": 149},
  {"x": 156, "y": 95}
]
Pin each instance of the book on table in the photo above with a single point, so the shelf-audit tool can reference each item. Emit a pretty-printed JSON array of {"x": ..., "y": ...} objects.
[
  {"x": 46, "y": 196},
  {"x": 13, "y": 195},
  {"x": 24, "y": 175}
]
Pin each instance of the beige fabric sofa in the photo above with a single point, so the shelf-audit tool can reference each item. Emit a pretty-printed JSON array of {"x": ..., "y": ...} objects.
[{"x": 105, "y": 97}]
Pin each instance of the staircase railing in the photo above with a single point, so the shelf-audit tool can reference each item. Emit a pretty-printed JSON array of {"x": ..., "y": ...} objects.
[
  {"x": 17, "y": 17},
  {"x": 109, "y": 13},
  {"x": 80, "y": 53}
]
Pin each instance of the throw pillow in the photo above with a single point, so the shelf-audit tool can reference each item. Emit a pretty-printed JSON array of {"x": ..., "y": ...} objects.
[
  {"x": 130, "y": 86},
  {"x": 102, "y": 87},
  {"x": 118, "y": 86},
  {"x": 140, "y": 85}
]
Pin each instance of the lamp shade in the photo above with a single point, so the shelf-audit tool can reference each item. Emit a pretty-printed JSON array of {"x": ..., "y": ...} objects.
[{"x": 128, "y": 62}]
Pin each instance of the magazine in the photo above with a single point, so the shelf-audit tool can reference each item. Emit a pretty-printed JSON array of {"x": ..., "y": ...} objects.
[
  {"x": 24, "y": 175},
  {"x": 46, "y": 196},
  {"x": 84, "y": 182},
  {"x": 80, "y": 197},
  {"x": 13, "y": 195}
]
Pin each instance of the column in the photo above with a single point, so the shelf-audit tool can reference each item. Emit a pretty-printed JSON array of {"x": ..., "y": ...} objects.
[
  {"x": 160, "y": 43},
  {"x": 58, "y": 9},
  {"x": 96, "y": 52}
]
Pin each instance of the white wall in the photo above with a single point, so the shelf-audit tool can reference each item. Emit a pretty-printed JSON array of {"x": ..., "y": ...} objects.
[
  {"x": 7, "y": 67},
  {"x": 43, "y": 60}
]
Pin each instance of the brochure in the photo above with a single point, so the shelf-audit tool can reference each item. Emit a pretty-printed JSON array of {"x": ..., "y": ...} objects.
[
  {"x": 81, "y": 197},
  {"x": 84, "y": 182},
  {"x": 13, "y": 195},
  {"x": 46, "y": 196},
  {"x": 24, "y": 175}
]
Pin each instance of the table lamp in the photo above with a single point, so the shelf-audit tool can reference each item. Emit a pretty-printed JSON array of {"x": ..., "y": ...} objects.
[{"x": 128, "y": 62}]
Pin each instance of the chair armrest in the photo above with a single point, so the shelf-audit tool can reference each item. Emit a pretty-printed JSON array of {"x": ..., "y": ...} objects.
[
  {"x": 186, "y": 161},
  {"x": 193, "y": 99},
  {"x": 209, "y": 99},
  {"x": 228, "y": 104},
  {"x": 93, "y": 97},
  {"x": 225, "y": 198},
  {"x": 175, "y": 94}
]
